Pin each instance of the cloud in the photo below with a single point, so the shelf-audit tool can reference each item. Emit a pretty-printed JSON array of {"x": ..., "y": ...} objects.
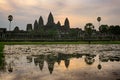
[
  {"x": 4, "y": 6},
  {"x": 79, "y": 12}
]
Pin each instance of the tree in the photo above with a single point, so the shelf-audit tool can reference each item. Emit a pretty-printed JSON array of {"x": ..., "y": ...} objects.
[
  {"x": 73, "y": 33},
  {"x": 111, "y": 29},
  {"x": 117, "y": 30},
  {"x": 89, "y": 27},
  {"x": 99, "y": 19},
  {"x": 104, "y": 28},
  {"x": 52, "y": 34},
  {"x": 10, "y": 18},
  {"x": 114, "y": 29}
]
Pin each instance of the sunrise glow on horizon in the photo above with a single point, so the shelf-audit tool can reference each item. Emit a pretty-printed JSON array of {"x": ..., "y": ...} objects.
[{"x": 79, "y": 12}]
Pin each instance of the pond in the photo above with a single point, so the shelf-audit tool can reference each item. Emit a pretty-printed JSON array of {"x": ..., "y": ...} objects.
[{"x": 61, "y": 62}]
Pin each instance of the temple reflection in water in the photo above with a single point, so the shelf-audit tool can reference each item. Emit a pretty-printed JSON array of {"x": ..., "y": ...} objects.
[
  {"x": 61, "y": 62},
  {"x": 51, "y": 59}
]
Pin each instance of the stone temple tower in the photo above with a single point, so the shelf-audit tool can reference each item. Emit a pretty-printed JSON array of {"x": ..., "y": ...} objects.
[
  {"x": 50, "y": 20},
  {"x": 67, "y": 24}
]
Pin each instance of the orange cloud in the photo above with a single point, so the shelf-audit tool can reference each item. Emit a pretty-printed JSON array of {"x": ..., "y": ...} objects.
[
  {"x": 4, "y": 6},
  {"x": 25, "y": 3},
  {"x": 75, "y": 20},
  {"x": 74, "y": 65}
]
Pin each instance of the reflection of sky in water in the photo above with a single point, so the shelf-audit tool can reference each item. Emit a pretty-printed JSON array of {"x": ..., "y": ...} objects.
[{"x": 25, "y": 68}]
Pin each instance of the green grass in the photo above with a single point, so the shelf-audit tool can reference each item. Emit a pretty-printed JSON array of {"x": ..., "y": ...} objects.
[
  {"x": 106, "y": 42},
  {"x": 37, "y": 43},
  {"x": 44, "y": 43}
]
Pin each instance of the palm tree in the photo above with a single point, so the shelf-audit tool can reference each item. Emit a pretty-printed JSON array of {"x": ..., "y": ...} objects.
[
  {"x": 99, "y": 19},
  {"x": 10, "y": 18},
  {"x": 89, "y": 27}
]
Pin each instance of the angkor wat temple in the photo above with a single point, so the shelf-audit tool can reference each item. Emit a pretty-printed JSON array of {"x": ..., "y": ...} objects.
[
  {"x": 38, "y": 31},
  {"x": 51, "y": 32}
]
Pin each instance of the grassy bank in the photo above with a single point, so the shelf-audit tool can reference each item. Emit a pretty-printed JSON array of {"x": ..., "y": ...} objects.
[
  {"x": 81, "y": 42},
  {"x": 27, "y": 43},
  {"x": 105, "y": 42}
]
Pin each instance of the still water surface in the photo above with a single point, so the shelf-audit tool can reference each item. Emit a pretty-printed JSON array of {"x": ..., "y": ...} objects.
[{"x": 61, "y": 62}]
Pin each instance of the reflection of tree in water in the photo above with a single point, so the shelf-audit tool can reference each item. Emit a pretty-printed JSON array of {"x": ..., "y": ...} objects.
[
  {"x": 112, "y": 58},
  {"x": 2, "y": 64},
  {"x": 89, "y": 59},
  {"x": 52, "y": 58},
  {"x": 99, "y": 65},
  {"x": 10, "y": 67},
  {"x": 6, "y": 67}
]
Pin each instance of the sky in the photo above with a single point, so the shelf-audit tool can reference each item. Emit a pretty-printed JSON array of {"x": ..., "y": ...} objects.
[{"x": 79, "y": 12}]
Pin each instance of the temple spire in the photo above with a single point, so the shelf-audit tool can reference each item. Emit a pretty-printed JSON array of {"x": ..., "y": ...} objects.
[
  {"x": 66, "y": 23},
  {"x": 58, "y": 24},
  {"x": 36, "y": 26},
  {"x": 50, "y": 19},
  {"x": 41, "y": 22}
]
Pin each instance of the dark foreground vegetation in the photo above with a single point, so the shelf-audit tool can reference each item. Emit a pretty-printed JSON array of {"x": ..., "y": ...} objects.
[{"x": 1, "y": 57}]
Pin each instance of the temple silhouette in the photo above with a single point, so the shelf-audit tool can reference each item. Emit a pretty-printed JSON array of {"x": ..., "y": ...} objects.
[
  {"x": 51, "y": 31},
  {"x": 38, "y": 30}
]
